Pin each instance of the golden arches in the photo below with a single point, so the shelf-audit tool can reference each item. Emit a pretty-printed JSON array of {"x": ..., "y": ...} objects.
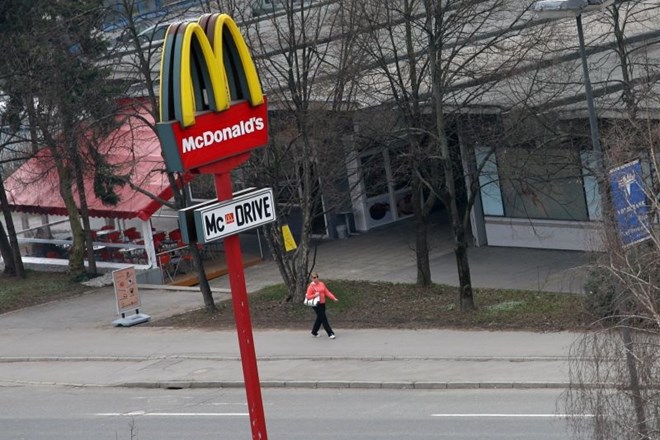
[{"x": 202, "y": 65}]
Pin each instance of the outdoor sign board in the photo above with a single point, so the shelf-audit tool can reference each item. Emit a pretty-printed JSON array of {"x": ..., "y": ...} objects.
[
  {"x": 126, "y": 290},
  {"x": 239, "y": 214},
  {"x": 212, "y": 115},
  {"x": 214, "y": 135},
  {"x": 211, "y": 103},
  {"x": 187, "y": 217},
  {"x": 629, "y": 203},
  {"x": 187, "y": 221}
]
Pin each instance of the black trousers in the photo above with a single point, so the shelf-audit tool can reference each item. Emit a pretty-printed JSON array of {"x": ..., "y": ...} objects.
[{"x": 321, "y": 319}]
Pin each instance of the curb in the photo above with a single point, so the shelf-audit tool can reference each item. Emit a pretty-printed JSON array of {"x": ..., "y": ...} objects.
[
  {"x": 363, "y": 385},
  {"x": 16, "y": 359},
  {"x": 301, "y": 384},
  {"x": 289, "y": 382}
]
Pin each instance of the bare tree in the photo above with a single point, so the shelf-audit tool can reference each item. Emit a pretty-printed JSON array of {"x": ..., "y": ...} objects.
[
  {"x": 11, "y": 152},
  {"x": 433, "y": 59},
  {"x": 9, "y": 247},
  {"x": 136, "y": 61},
  {"x": 614, "y": 369},
  {"x": 307, "y": 58}
]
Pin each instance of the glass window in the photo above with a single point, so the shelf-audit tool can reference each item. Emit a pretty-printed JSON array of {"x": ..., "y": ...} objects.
[
  {"x": 373, "y": 175},
  {"x": 542, "y": 183},
  {"x": 491, "y": 193},
  {"x": 400, "y": 167}
]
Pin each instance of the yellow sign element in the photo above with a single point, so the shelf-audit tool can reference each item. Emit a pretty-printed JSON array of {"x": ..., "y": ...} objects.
[
  {"x": 289, "y": 241},
  {"x": 204, "y": 65}
]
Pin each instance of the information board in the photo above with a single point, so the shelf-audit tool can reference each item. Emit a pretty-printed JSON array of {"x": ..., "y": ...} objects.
[
  {"x": 126, "y": 290},
  {"x": 236, "y": 215}
]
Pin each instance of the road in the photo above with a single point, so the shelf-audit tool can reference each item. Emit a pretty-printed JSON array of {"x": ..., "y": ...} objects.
[{"x": 37, "y": 413}]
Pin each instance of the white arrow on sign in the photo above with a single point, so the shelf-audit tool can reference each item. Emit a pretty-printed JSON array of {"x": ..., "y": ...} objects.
[{"x": 236, "y": 215}]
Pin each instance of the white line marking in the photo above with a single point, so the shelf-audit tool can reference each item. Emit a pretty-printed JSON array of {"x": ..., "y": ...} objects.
[
  {"x": 158, "y": 414},
  {"x": 514, "y": 415}
]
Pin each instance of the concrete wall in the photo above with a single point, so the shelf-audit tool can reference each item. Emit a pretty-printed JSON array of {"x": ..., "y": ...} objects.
[{"x": 545, "y": 234}]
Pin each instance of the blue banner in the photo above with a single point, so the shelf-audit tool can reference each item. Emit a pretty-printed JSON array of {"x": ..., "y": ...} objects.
[{"x": 629, "y": 203}]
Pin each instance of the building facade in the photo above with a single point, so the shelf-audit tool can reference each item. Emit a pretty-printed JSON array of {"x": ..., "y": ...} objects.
[{"x": 537, "y": 185}]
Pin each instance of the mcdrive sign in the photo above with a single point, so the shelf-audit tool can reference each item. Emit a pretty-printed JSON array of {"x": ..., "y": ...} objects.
[
  {"x": 204, "y": 66},
  {"x": 236, "y": 215}
]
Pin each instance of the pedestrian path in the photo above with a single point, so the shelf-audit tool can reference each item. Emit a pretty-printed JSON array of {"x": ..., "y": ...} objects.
[
  {"x": 388, "y": 255},
  {"x": 156, "y": 357}
]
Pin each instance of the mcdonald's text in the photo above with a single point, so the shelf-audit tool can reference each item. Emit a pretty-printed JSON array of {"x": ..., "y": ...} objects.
[
  {"x": 214, "y": 135},
  {"x": 212, "y": 138}
]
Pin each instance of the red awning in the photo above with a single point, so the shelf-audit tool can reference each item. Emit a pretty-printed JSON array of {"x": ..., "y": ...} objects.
[{"x": 134, "y": 147}]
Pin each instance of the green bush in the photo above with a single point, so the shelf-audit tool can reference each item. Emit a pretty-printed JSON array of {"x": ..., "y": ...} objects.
[{"x": 601, "y": 297}]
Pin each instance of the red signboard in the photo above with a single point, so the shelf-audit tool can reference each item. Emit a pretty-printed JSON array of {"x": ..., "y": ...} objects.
[{"x": 214, "y": 135}]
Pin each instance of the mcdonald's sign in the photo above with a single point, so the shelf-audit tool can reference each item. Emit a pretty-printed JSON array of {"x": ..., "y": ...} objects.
[{"x": 211, "y": 103}]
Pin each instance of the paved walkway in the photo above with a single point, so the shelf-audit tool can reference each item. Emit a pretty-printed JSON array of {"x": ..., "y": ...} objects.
[
  {"x": 388, "y": 254},
  {"x": 72, "y": 342}
]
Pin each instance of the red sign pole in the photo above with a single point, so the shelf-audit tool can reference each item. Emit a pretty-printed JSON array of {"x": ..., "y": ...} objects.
[{"x": 223, "y": 187}]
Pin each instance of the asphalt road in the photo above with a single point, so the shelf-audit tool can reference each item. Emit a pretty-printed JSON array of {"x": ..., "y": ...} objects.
[{"x": 37, "y": 413}]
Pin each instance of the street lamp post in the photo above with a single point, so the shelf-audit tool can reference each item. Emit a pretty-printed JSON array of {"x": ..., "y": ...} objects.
[
  {"x": 575, "y": 8},
  {"x": 593, "y": 120}
]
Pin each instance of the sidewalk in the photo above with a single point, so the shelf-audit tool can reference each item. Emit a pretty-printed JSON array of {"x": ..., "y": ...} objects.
[
  {"x": 156, "y": 357},
  {"x": 72, "y": 342}
]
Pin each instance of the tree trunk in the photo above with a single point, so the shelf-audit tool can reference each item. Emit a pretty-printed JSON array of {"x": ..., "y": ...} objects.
[
  {"x": 181, "y": 200},
  {"x": 460, "y": 245},
  {"x": 286, "y": 262},
  {"x": 465, "y": 280},
  {"x": 5, "y": 252},
  {"x": 84, "y": 211},
  {"x": 422, "y": 254},
  {"x": 301, "y": 262},
  {"x": 11, "y": 252},
  {"x": 294, "y": 266},
  {"x": 460, "y": 241},
  {"x": 204, "y": 285},
  {"x": 636, "y": 395},
  {"x": 460, "y": 248},
  {"x": 76, "y": 252},
  {"x": 421, "y": 237}
]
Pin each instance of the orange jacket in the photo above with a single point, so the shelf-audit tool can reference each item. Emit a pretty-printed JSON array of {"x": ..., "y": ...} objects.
[{"x": 319, "y": 289}]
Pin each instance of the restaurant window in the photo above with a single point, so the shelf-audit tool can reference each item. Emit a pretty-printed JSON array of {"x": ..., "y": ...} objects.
[
  {"x": 374, "y": 175},
  {"x": 542, "y": 183}
]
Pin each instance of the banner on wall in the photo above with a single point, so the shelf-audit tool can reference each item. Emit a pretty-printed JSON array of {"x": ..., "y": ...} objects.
[{"x": 631, "y": 211}]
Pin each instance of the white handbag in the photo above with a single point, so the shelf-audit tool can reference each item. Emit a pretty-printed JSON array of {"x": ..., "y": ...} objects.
[{"x": 312, "y": 302}]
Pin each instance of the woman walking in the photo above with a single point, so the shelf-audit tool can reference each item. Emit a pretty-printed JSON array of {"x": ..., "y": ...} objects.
[{"x": 318, "y": 289}]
